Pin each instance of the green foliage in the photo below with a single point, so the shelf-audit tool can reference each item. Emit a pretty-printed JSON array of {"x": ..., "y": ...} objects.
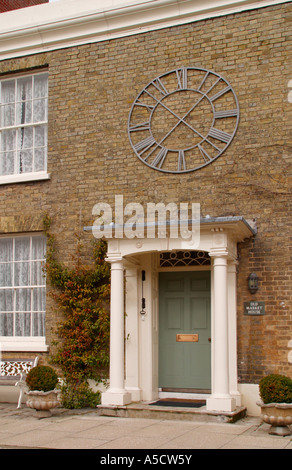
[
  {"x": 79, "y": 395},
  {"x": 42, "y": 378},
  {"x": 275, "y": 388},
  {"x": 82, "y": 294}
]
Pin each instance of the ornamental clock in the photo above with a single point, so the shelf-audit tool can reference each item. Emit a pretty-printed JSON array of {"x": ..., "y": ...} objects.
[{"x": 183, "y": 120}]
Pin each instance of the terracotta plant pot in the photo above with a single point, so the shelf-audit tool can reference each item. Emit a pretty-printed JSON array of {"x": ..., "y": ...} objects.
[
  {"x": 279, "y": 415},
  {"x": 43, "y": 402}
]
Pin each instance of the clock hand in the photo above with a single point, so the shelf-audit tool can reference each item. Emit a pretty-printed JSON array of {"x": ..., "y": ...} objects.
[{"x": 159, "y": 102}]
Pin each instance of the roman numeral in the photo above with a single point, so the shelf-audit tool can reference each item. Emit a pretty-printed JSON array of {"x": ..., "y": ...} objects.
[
  {"x": 144, "y": 105},
  {"x": 203, "y": 81},
  {"x": 204, "y": 154},
  {"x": 225, "y": 114},
  {"x": 181, "y": 163},
  {"x": 219, "y": 135},
  {"x": 144, "y": 144},
  {"x": 220, "y": 93},
  {"x": 212, "y": 86},
  {"x": 182, "y": 78},
  {"x": 160, "y": 157},
  {"x": 143, "y": 126},
  {"x": 157, "y": 83}
]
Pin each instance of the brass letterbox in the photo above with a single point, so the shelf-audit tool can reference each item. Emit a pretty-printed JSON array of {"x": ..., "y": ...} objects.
[{"x": 185, "y": 338}]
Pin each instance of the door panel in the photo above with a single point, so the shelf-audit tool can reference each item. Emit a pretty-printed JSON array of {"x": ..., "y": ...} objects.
[
  {"x": 199, "y": 313},
  {"x": 174, "y": 313},
  {"x": 184, "y": 308}
]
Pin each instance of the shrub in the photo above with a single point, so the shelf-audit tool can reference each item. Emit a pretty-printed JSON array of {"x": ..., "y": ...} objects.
[
  {"x": 80, "y": 395},
  {"x": 81, "y": 293},
  {"x": 275, "y": 388},
  {"x": 42, "y": 378}
]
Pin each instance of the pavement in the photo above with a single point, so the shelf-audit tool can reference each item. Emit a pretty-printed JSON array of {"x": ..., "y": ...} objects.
[{"x": 85, "y": 429}]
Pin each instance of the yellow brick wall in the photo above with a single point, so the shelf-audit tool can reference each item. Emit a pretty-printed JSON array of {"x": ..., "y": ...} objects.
[{"x": 91, "y": 90}]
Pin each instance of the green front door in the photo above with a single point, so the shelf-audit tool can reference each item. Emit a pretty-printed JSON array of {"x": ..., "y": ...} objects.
[{"x": 184, "y": 315}]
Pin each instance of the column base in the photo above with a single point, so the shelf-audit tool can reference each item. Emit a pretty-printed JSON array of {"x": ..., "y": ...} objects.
[
  {"x": 237, "y": 398},
  {"x": 135, "y": 392},
  {"x": 116, "y": 398},
  {"x": 221, "y": 404}
]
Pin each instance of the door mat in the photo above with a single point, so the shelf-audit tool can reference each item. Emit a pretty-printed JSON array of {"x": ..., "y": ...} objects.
[{"x": 178, "y": 402}]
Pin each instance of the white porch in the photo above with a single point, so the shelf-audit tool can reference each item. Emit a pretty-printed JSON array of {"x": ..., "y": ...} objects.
[{"x": 134, "y": 337}]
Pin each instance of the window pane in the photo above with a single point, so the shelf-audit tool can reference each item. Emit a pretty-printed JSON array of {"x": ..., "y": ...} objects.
[
  {"x": 7, "y": 115},
  {"x": 25, "y": 138},
  {"x": 40, "y": 143},
  {"x": 7, "y": 163},
  {"x": 37, "y": 274},
  {"x": 39, "y": 160},
  {"x": 24, "y": 112},
  {"x": 23, "y": 300},
  {"x": 21, "y": 274},
  {"x": 6, "y": 275},
  {"x": 6, "y": 249},
  {"x": 24, "y": 89},
  {"x": 7, "y": 152},
  {"x": 8, "y": 140},
  {"x": 22, "y": 248},
  {"x": 38, "y": 324},
  {"x": 38, "y": 247},
  {"x": 22, "y": 324},
  {"x": 8, "y": 91},
  {"x": 39, "y": 299},
  {"x": 8, "y": 101},
  {"x": 41, "y": 86},
  {"x": 6, "y": 300},
  {"x": 6, "y": 324},
  {"x": 40, "y": 110},
  {"x": 40, "y": 136},
  {"x": 24, "y": 159},
  {"x": 24, "y": 103}
]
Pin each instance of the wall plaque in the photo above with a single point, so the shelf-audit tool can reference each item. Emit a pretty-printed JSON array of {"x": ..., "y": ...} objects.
[{"x": 254, "y": 308}]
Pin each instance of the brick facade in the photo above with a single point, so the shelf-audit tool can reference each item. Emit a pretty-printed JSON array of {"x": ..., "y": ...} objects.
[
  {"x": 91, "y": 89},
  {"x": 8, "y": 5}
]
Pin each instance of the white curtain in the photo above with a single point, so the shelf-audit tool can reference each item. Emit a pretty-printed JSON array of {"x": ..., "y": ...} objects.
[
  {"x": 22, "y": 286},
  {"x": 7, "y": 119},
  {"x": 24, "y": 101}
]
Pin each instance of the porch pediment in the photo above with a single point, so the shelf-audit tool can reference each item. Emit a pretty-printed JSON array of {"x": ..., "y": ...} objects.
[{"x": 209, "y": 234}]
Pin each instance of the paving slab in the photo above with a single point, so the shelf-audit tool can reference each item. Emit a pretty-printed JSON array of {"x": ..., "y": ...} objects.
[{"x": 86, "y": 429}]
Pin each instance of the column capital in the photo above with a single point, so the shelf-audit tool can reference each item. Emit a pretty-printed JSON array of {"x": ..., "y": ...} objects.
[
  {"x": 222, "y": 252},
  {"x": 114, "y": 258},
  {"x": 218, "y": 252}
]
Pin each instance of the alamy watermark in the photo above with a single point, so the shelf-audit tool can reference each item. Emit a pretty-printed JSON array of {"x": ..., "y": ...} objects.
[{"x": 157, "y": 220}]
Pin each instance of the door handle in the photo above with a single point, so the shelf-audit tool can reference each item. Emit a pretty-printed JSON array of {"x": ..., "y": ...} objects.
[{"x": 209, "y": 339}]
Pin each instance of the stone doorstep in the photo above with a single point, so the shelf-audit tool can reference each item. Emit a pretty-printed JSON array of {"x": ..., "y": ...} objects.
[{"x": 145, "y": 410}]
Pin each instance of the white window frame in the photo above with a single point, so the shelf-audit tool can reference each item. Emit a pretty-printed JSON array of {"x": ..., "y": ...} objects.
[
  {"x": 26, "y": 176},
  {"x": 23, "y": 343}
]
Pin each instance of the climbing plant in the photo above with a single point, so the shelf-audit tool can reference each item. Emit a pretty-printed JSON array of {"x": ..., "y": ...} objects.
[{"x": 81, "y": 293}]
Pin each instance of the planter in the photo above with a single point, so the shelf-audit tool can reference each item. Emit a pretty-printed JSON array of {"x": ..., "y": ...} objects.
[
  {"x": 43, "y": 402},
  {"x": 279, "y": 415}
]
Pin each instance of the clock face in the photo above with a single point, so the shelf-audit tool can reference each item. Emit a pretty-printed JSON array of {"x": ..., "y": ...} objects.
[{"x": 183, "y": 120}]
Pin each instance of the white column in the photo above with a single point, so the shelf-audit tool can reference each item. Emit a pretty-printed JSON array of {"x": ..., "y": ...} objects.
[
  {"x": 220, "y": 399},
  {"x": 232, "y": 332},
  {"x": 133, "y": 302},
  {"x": 116, "y": 394}
]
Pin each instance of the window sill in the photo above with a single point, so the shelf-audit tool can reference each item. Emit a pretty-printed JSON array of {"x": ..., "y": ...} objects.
[
  {"x": 25, "y": 177},
  {"x": 27, "y": 343}
]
